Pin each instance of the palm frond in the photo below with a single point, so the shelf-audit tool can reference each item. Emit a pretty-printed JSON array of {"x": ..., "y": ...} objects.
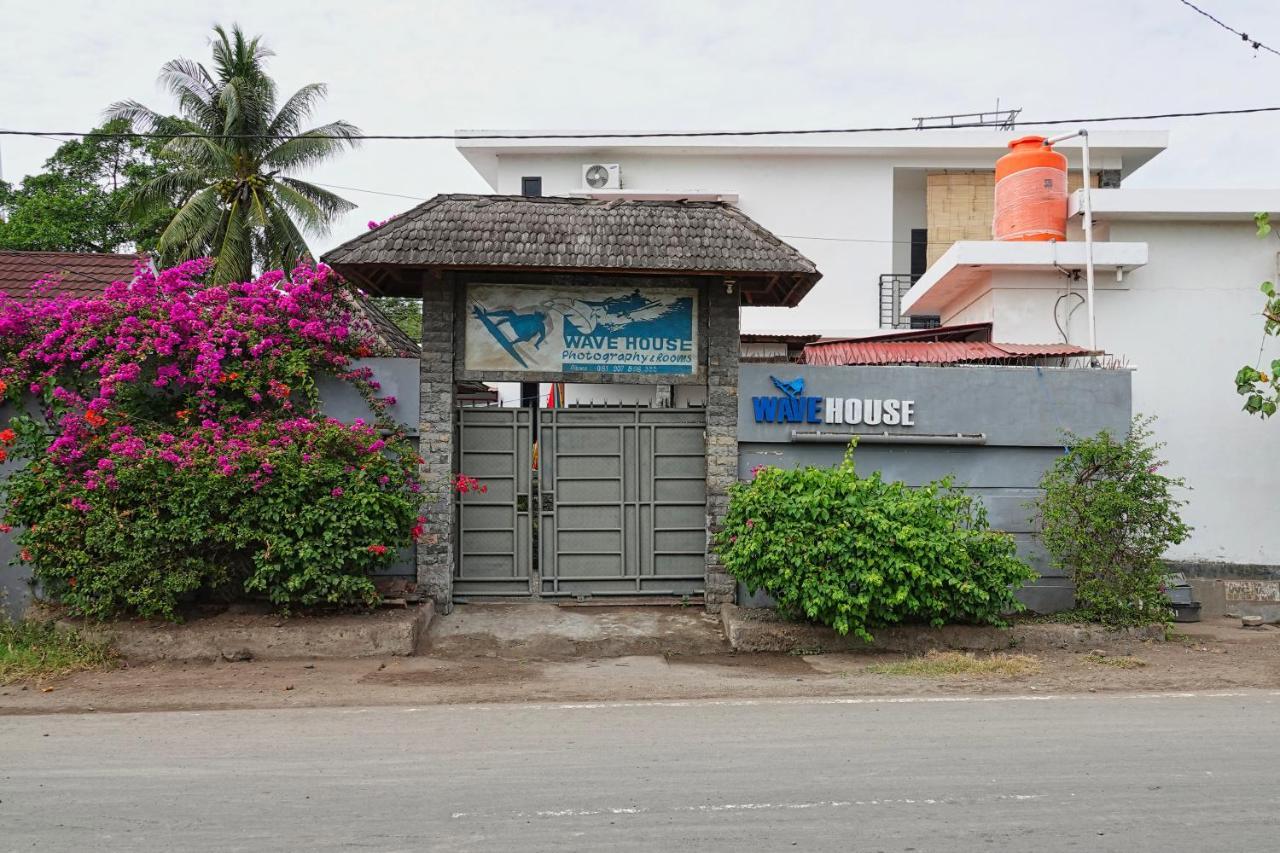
[
  {"x": 330, "y": 204},
  {"x": 288, "y": 246},
  {"x": 233, "y": 256},
  {"x": 190, "y": 83},
  {"x": 296, "y": 109},
  {"x": 161, "y": 192},
  {"x": 138, "y": 115},
  {"x": 181, "y": 238},
  {"x": 298, "y": 206},
  {"x": 312, "y": 147}
]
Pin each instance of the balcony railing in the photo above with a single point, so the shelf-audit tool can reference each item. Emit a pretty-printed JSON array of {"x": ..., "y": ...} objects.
[{"x": 893, "y": 286}]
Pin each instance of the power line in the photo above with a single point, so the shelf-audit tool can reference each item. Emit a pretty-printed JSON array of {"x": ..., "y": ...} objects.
[
  {"x": 370, "y": 192},
  {"x": 782, "y": 236},
  {"x": 670, "y": 134},
  {"x": 1252, "y": 42}
]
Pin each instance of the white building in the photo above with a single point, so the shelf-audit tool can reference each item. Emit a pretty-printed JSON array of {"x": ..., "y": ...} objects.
[
  {"x": 1177, "y": 273},
  {"x": 1177, "y": 299}
]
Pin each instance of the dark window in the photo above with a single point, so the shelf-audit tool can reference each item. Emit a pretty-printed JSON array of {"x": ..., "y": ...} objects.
[
  {"x": 919, "y": 252},
  {"x": 531, "y": 186}
]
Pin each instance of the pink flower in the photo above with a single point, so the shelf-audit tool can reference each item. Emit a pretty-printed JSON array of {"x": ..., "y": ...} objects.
[{"x": 335, "y": 492}]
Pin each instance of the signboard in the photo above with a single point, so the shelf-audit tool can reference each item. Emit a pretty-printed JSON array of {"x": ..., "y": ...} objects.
[
  {"x": 792, "y": 406},
  {"x": 535, "y": 329}
]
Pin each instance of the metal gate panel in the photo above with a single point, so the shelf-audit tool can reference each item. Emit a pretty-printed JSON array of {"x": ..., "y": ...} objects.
[
  {"x": 495, "y": 528},
  {"x": 623, "y": 501}
]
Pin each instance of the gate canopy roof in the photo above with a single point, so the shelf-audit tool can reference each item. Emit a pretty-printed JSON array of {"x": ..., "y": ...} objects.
[{"x": 548, "y": 234}]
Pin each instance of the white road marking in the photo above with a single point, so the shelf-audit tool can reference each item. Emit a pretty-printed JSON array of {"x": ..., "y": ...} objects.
[
  {"x": 735, "y": 807},
  {"x": 844, "y": 700}
]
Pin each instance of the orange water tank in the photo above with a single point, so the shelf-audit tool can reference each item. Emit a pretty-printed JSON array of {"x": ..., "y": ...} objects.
[{"x": 1031, "y": 192}]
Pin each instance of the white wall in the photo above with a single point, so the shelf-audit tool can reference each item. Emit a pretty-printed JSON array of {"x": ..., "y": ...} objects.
[
  {"x": 1186, "y": 321},
  {"x": 794, "y": 197},
  {"x": 1190, "y": 320},
  {"x": 909, "y": 211}
]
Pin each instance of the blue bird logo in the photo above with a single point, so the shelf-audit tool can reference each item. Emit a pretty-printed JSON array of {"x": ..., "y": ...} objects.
[{"x": 792, "y": 389}]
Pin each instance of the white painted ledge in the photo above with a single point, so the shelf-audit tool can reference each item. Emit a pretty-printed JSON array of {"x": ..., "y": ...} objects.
[{"x": 967, "y": 266}]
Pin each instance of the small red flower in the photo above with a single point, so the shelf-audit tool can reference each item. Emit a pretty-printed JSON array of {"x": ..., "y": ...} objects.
[
  {"x": 94, "y": 419},
  {"x": 3, "y": 386},
  {"x": 8, "y": 436},
  {"x": 3, "y": 454},
  {"x": 25, "y": 555},
  {"x": 378, "y": 549}
]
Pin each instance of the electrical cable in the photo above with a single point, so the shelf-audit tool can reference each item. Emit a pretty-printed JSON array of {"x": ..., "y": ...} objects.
[
  {"x": 1252, "y": 42},
  {"x": 670, "y": 134}
]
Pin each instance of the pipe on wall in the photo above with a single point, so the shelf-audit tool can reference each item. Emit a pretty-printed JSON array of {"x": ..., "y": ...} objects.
[{"x": 822, "y": 437}]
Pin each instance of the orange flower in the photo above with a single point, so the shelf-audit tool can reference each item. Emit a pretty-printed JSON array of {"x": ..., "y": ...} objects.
[
  {"x": 3, "y": 386},
  {"x": 94, "y": 419},
  {"x": 183, "y": 414}
]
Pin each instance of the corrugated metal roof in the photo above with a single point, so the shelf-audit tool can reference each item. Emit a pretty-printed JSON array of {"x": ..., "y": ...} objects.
[{"x": 933, "y": 352}]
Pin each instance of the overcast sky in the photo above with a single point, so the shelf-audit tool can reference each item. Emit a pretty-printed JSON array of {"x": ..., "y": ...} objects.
[{"x": 406, "y": 67}]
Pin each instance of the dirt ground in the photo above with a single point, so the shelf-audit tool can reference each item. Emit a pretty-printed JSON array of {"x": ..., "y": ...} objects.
[{"x": 466, "y": 662}]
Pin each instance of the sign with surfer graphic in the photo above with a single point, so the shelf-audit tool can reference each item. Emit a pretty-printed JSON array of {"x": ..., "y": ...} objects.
[{"x": 557, "y": 330}]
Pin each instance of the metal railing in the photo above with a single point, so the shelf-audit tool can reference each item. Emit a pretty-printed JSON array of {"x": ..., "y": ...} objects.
[
  {"x": 893, "y": 286},
  {"x": 1003, "y": 119}
]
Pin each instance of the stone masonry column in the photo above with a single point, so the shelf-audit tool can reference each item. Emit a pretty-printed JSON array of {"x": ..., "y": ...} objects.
[
  {"x": 436, "y": 445},
  {"x": 723, "y": 347}
]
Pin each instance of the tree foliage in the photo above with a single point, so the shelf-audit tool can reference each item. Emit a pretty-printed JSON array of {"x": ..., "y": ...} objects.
[
  {"x": 180, "y": 451},
  {"x": 76, "y": 204},
  {"x": 855, "y": 552},
  {"x": 1108, "y": 516},
  {"x": 233, "y": 148},
  {"x": 1261, "y": 389}
]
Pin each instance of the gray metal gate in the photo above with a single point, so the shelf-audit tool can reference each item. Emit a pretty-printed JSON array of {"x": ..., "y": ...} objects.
[
  {"x": 495, "y": 542},
  {"x": 622, "y": 501}
]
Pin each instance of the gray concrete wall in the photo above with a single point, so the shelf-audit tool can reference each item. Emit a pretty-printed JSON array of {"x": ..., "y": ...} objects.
[
  {"x": 398, "y": 378},
  {"x": 1021, "y": 412},
  {"x": 15, "y": 586}
]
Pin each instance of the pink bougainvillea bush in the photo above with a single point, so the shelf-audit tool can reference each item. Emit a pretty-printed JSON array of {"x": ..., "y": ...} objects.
[{"x": 179, "y": 453}]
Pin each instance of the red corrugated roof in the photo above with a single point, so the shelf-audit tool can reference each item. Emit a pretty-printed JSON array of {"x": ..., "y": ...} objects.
[
  {"x": 932, "y": 352},
  {"x": 80, "y": 273}
]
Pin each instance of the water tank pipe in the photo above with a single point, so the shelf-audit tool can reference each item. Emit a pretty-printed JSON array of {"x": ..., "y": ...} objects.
[{"x": 1088, "y": 235}]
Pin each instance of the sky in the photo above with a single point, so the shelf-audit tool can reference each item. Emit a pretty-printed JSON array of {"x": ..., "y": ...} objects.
[{"x": 431, "y": 67}]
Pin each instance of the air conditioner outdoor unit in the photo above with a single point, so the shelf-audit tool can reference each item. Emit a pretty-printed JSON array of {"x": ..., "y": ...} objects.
[{"x": 602, "y": 176}]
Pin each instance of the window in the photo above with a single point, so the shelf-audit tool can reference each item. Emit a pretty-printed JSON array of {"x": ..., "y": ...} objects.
[{"x": 531, "y": 186}]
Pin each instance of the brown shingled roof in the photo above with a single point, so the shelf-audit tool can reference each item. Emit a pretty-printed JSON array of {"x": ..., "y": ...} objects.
[
  {"x": 80, "y": 273},
  {"x": 580, "y": 234}
]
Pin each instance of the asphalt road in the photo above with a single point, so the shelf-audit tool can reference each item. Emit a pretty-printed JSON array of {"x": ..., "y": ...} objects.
[{"x": 1188, "y": 772}]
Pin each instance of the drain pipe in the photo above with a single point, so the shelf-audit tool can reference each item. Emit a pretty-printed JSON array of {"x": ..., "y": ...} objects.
[{"x": 1086, "y": 190}]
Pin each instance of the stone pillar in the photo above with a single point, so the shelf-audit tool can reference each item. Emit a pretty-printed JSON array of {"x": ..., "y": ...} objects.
[
  {"x": 435, "y": 443},
  {"x": 723, "y": 347}
]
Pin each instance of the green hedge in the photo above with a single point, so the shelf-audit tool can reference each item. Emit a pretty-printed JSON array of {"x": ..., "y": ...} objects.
[{"x": 857, "y": 552}]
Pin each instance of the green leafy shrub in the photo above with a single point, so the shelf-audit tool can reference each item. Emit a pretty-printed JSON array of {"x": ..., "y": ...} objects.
[
  {"x": 183, "y": 522},
  {"x": 1109, "y": 514},
  {"x": 856, "y": 552},
  {"x": 177, "y": 450}
]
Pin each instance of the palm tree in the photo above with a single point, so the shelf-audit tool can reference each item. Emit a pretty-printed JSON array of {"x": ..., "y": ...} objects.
[{"x": 230, "y": 150}]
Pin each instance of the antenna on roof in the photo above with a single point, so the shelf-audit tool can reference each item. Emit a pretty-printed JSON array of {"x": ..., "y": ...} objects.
[{"x": 1002, "y": 119}]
